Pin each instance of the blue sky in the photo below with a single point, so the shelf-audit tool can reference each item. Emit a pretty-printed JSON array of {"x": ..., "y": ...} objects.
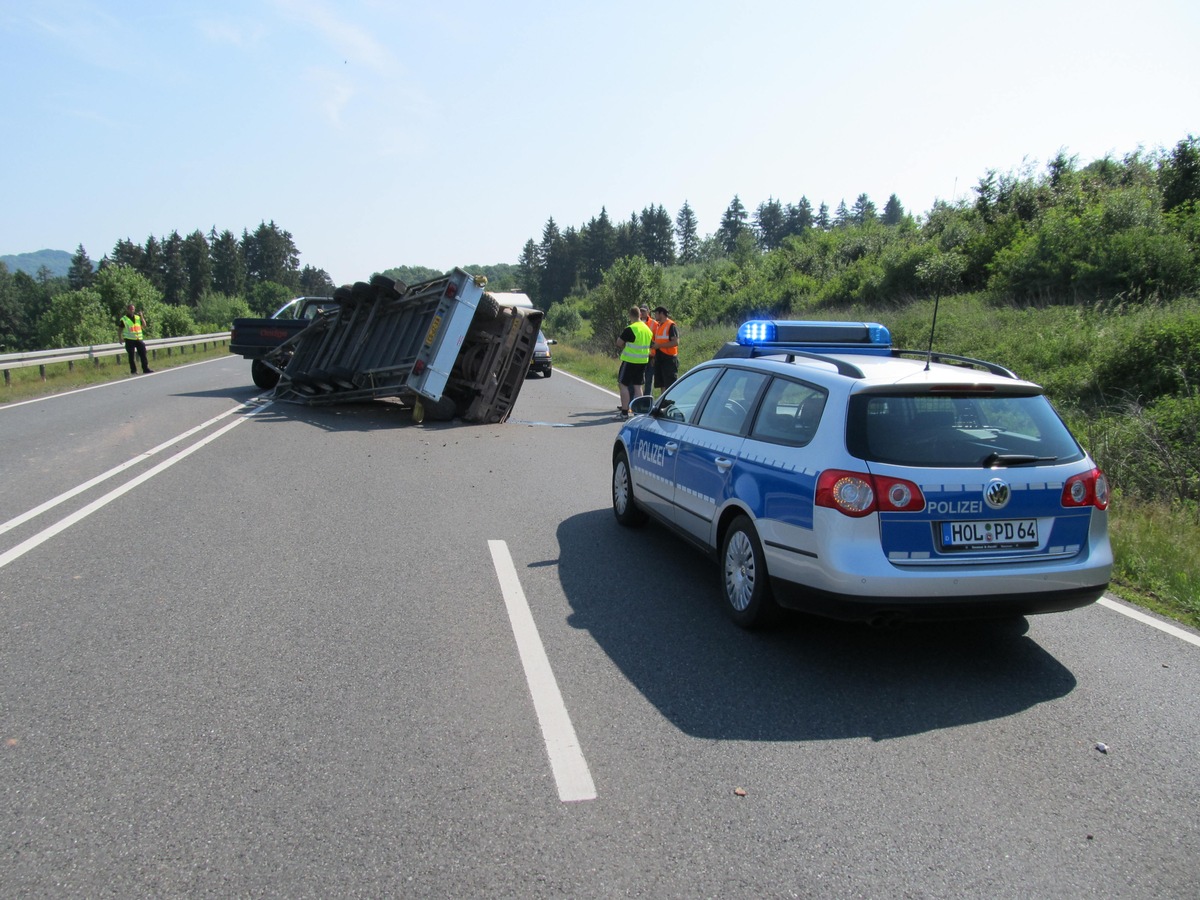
[{"x": 439, "y": 134}]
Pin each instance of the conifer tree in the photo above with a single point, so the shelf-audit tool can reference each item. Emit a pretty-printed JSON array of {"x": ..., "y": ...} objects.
[
  {"x": 175, "y": 282},
  {"x": 841, "y": 216},
  {"x": 687, "y": 233},
  {"x": 658, "y": 238},
  {"x": 733, "y": 223},
  {"x": 81, "y": 273},
  {"x": 599, "y": 247},
  {"x": 893, "y": 211},
  {"x": 629, "y": 237},
  {"x": 770, "y": 224},
  {"x": 197, "y": 265},
  {"x": 151, "y": 266},
  {"x": 127, "y": 253},
  {"x": 863, "y": 211},
  {"x": 528, "y": 271},
  {"x": 228, "y": 270},
  {"x": 799, "y": 218}
]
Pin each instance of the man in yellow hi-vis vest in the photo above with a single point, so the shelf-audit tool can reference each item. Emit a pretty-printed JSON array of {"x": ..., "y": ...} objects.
[
  {"x": 133, "y": 328},
  {"x": 634, "y": 345}
]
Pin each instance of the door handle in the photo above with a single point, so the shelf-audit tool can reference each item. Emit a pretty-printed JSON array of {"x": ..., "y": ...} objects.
[
  {"x": 724, "y": 463},
  {"x": 672, "y": 446}
]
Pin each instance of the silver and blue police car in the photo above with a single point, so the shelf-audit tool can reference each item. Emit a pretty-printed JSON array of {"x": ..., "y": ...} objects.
[{"x": 831, "y": 473}]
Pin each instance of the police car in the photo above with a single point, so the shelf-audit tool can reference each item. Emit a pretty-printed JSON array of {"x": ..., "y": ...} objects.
[{"x": 831, "y": 473}]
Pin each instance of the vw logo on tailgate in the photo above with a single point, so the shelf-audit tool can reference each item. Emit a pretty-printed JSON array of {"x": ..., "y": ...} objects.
[{"x": 996, "y": 493}]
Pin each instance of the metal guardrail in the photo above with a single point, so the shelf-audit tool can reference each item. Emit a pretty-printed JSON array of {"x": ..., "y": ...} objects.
[{"x": 94, "y": 352}]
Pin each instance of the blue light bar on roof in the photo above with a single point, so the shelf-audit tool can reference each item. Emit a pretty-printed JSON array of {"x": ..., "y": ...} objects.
[
  {"x": 809, "y": 335},
  {"x": 756, "y": 331}
]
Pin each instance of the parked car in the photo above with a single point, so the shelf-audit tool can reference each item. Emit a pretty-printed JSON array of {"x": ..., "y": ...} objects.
[
  {"x": 830, "y": 473},
  {"x": 541, "y": 362},
  {"x": 254, "y": 338}
]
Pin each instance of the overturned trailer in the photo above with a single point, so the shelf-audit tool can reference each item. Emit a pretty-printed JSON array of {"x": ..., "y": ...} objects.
[{"x": 445, "y": 347}]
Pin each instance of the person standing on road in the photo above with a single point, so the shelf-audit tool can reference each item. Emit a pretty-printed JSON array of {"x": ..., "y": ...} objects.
[
  {"x": 634, "y": 346},
  {"x": 133, "y": 328},
  {"x": 665, "y": 350},
  {"x": 648, "y": 384}
]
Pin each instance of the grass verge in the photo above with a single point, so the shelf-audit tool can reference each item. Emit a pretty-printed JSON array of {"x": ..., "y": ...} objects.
[
  {"x": 28, "y": 383},
  {"x": 1157, "y": 552}
]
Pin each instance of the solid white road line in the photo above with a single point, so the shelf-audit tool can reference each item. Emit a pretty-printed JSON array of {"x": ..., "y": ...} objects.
[
  {"x": 1172, "y": 630},
  {"x": 104, "y": 476},
  {"x": 570, "y": 769},
  {"x": 44, "y": 535},
  {"x": 591, "y": 384},
  {"x": 104, "y": 384}
]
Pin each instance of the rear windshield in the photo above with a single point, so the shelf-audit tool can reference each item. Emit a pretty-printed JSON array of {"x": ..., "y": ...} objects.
[{"x": 960, "y": 430}]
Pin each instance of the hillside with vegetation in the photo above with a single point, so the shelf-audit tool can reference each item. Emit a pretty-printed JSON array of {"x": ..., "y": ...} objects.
[{"x": 51, "y": 263}]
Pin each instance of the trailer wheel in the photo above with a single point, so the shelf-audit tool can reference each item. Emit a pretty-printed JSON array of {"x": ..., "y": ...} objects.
[
  {"x": 488, "y": 308},
  {"x": 264, "y": 376},
  {"x": 441, "y": 410},
  {"x": 388, "y": 287}
]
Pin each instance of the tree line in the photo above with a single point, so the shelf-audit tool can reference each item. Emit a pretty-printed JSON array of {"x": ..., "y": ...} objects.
[
  {"x": 190, "y": 282},
  {"x": 573, "y": 260},
  {"x": 186, "y": 285},
  {"x": 1112, "y": 231}
]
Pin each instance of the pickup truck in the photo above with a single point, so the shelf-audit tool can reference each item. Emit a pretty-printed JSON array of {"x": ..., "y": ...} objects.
[
  {"x": 254, "y": 338},
  {"x": 444, "y": 347}
]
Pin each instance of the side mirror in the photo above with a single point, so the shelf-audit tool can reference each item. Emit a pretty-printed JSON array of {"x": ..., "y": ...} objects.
[{"x": 639, "y": 406}]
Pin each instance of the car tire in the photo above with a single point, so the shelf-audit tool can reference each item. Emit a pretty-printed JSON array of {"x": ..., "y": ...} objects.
[
  {"x": 546, "y": 372},
  {"x": 625, "y": 507},
  {"x": 744, "y": 581},
  {"x": 264, "y": 376}
]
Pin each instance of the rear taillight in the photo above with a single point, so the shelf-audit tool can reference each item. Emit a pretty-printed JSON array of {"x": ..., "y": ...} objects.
[
  {"x": 1086, "y": 489},
  {"x": 859, "y": 494}
]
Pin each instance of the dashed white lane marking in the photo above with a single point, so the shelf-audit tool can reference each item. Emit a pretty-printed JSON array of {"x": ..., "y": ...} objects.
[{"x": 570, "y": 769}]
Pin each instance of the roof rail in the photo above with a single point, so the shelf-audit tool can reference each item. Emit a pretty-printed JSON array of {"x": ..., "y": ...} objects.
[
  {"x": 994, "y": 368},
  {"x": 843, "y": 367}
]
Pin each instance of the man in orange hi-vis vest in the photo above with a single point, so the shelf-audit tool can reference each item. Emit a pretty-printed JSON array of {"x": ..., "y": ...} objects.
[{"x": 666, "y": 349}]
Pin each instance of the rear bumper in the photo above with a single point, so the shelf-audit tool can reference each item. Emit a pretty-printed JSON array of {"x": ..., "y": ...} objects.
[{"x": 851, "y": 608}]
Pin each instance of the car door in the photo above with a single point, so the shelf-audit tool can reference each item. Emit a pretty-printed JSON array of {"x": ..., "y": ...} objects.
[
  {"x": 778, "y": 468},
  {"x": 709, "y": 449},
  {"x": 655, "y": 446}
]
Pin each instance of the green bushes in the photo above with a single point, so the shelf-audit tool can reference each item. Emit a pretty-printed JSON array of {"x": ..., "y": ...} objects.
[
  {"x": 216, "y": 312},
  {"x": 1147, "y": 353}
]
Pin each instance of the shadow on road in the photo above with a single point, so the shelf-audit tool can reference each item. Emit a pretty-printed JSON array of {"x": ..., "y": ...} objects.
[
  {"x": 364, "y": 415},
  {"x": 241, "y": 394},
  {"x": 806, "y": 680}
]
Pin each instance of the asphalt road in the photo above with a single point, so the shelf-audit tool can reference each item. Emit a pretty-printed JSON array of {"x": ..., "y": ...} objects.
[{"x": 278, "y": 651}]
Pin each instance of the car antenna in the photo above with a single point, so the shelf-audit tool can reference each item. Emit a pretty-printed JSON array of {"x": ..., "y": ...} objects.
[{"x": 937, "y": 297}]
